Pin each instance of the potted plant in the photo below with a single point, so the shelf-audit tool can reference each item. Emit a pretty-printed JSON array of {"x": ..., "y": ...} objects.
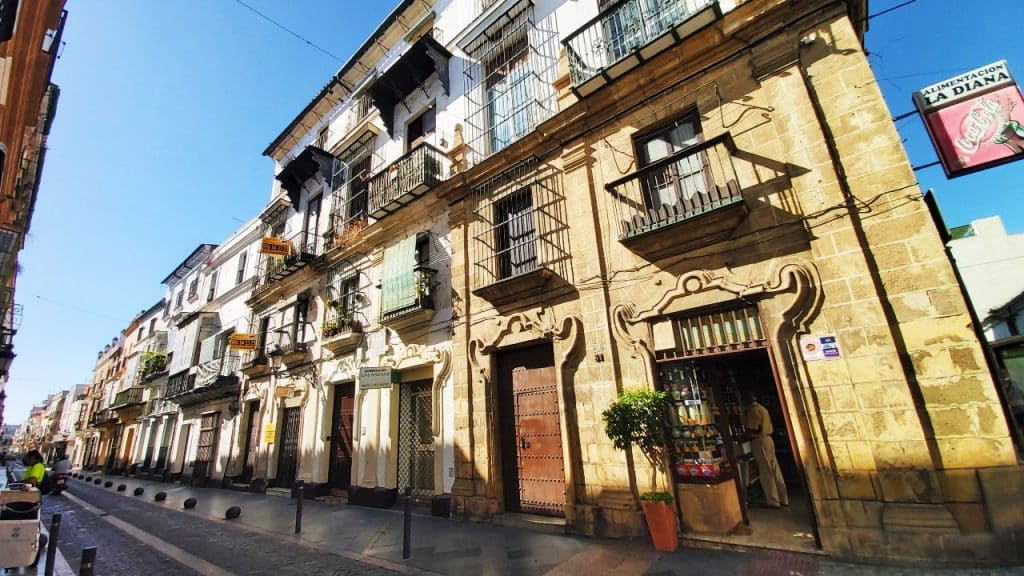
[{"x": 637, "y": 419}]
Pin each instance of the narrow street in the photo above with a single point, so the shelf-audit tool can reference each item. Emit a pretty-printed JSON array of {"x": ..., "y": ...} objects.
[{"x": 135, "y": 538}]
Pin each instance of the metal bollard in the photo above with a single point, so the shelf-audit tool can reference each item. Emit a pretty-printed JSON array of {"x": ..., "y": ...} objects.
[
  {"x": 51, "y": 546},
  {"x": 298, "y": 506},
  {"x": 407, "y": 525},
  {"x": 88, "y": 562}
]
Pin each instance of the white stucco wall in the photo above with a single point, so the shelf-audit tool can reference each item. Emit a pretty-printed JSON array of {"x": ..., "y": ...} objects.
[{"x": 991, "y": 263}]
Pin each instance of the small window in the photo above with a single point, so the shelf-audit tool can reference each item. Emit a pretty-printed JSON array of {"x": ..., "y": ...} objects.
[
  {"x": 211, "y": 292},
  {"x": 515, "y": 232},
  {"x": 152, "y": 325},
  {"x": 180, "y": 298},
  {"x": 240, "y": 275},
  {"x": 421, "y": 128},
  {"x": 193, "y": 289},
  {"x": 321, "y": 139},
  {"x": 142, "y": 332}
]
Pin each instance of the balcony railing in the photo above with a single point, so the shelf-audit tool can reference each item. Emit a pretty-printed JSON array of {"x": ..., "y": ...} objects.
[
  {"x": 628, "y": 32},
  {"x": 424, "y": 279},
  {"x": 348, "y": 219},
  {"x": 103, "y": 416},
  {"x": 406, "y": 179},
  {"x": 128, "y": 397},
  {"x": 180, "y": 383},
  {"x": 304, "y": 248},
  {"x": 692, "y": 182},
  {"x": 159, "y": 406}
]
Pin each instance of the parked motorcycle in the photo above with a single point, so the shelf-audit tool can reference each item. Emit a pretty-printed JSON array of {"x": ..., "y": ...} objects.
[{"x": 60, "y": 482}]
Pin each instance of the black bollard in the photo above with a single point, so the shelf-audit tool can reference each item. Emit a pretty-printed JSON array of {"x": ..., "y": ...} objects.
[
  {"x": 51, "y": 546},
  {"x": 138, "y": 491},
  {"x": 190, "y": 503},
  {"x": 122, "y": 487},
  {"x": 301, "y": 490},
  {"x": 108, "y": 484},
  {"x": 88, "y": 562},
  {"x": 407, "y": 525},
  {"x": 233, "y": 512},
  {"x": 160, "y": 496},
  {"x": 97, "y": 481}
]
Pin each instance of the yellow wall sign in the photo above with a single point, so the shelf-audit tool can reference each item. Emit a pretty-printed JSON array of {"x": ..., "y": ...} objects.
[
  {"x": 269, "y": 434},
  {"x": 274, "y": 246},
  {"x": 242, "y": 341},
  {"x": 284, "y": 391}
]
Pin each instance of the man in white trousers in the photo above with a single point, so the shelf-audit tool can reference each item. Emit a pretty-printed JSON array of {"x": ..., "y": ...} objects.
[{"x": 759, "y": 425}]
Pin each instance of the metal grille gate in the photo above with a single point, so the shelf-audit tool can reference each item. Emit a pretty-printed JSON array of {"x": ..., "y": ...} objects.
[{"x": 416, "y": 439}]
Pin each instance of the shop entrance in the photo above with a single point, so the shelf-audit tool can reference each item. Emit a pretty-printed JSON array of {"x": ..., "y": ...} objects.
[
  {"x": 533, "y": 470},
  {"x": 725, "y": 488},
  {"x": 288, "y": 453},
  {"x": 340, "y": 472},
  {"x": 416, "y": 439}
]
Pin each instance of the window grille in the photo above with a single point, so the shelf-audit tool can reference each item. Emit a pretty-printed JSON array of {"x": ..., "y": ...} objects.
[
  {"x": 519, "y": 224},
  {"x": 717, "y": 331},
  {"x": 509, "y": 81},
  {"x": 346, "y": 298}
]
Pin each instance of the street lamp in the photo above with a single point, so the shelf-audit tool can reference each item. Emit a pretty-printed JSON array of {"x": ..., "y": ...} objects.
[
  {"x": 6, "y": 351},
  {"x": 275, "y": 357}
]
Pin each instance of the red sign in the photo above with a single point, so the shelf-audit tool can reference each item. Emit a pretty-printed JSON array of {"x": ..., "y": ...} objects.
[{"x": 976, "y": 120}]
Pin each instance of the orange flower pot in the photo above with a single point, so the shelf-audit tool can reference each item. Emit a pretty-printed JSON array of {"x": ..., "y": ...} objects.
[{"x": 661, "y": 521}]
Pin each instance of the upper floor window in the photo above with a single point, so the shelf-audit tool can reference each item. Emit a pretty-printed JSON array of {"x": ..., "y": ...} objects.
[
  {"x": 421, "y": 128},
  {"x": 152, "y": 325},
  {"x": 674, "y": 184},
  {"x": 407, "y": 280},
  {"x": 193, "y": 289},
  {"x": 142, "y": 332},
  {"x": 180, "y": 298},
  {"x": 240, "y": 274},
  {"x": 211, "y": 292},
  {"x": 515, "y": 233},
  {"x": 321, "y": 138},
  {"x": 507, "y": 93}
]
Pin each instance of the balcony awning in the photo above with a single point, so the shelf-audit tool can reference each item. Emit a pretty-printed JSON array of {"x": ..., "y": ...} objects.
[
  {"x": 301, "y": 168},
  {"x": 411, "y": 70}
]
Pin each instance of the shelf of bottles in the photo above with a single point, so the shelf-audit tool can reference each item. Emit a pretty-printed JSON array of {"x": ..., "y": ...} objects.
[{"x": 703, "y": 420}]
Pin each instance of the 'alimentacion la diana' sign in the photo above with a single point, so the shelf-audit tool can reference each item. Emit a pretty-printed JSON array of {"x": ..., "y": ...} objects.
[{"x": 975, "y": 120}]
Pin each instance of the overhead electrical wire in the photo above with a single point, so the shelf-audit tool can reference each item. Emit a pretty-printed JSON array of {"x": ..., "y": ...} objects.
[{"x": 288, "y": 30}]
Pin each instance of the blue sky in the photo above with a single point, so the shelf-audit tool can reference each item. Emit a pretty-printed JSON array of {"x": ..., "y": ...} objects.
[{"x": 166, "y": 108}]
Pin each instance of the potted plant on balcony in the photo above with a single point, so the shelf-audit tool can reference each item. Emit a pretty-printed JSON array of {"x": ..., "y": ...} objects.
[
  {"x": 331, "y": 328},
  {"x": 636, "y": 419}
]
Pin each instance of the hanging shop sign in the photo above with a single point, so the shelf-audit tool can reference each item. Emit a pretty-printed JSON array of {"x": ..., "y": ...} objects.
[
  {"x": 284, "y": 391},
  {"x": 378, "y": 377},
  {"x": 975, "y": 120},
  {"x": 243, "y": 341},
  {"x": 273, "y": 246},
  {"x": 269, "y": 433},
  {"x": 820, "y": 347}
]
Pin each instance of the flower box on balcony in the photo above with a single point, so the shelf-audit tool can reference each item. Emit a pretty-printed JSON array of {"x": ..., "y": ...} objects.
[
  {"x": 296, "y": 354},
  {"x": 255, "y": 367},
  {"x": 342, "y": 337}
]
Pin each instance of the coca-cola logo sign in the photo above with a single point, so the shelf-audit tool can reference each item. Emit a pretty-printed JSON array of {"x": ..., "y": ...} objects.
[{"x": 980, "y": 130}]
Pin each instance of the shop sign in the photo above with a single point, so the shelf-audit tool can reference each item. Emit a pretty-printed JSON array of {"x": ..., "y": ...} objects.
[
  {"x": 269, "y": 434},
  {"x": 273, "y": 246},
  {"x": 975, "y": 120},
  {"x": 284, "y": 391},
  {"x": 378, "y": 377},
  {"x": 242, "y": 341},
  {"x": 820, "y": 347}
]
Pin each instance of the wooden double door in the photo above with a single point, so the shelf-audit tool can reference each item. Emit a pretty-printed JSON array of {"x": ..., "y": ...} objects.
[
  {"x": 339, "y": 474},
  {"x": 533, "y": 468}
]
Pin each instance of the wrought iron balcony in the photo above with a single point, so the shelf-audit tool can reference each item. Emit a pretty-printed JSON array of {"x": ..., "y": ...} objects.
[
  {"x": 406, "y": 179},
  {"x": 103, "y": 416},
  {"x": 180, "y": 383},
  {"x": 685, "y": 200},
  {"x": 303, "y": 249},
  {"x": 158, "y": 407},
  {"x": 628, "y": 32},
  {"x": 127, "y": 397}
]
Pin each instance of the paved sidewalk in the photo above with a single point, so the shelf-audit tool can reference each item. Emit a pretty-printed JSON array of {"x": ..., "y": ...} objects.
[{"x": 445, "y": 546}]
